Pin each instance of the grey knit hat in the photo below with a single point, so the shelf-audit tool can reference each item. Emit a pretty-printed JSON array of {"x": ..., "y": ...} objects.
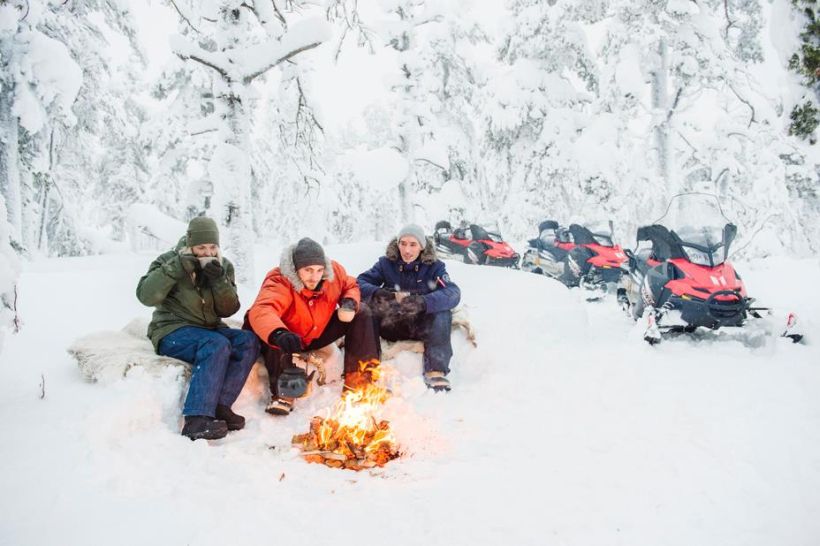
[
  {"x": 415, "y": 231},
  {"x": 202, "y": 231},
  {"x": 308, "y": 252}
]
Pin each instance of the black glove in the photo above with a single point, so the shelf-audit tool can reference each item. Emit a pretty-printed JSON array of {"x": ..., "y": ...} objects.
[
  {"x": 285, "y": 340},
  {"x": 292, "y": 382},
  {"x": 213, "y": 270},
  {"x": 382, "y": 295},
  {"x": 414, "y": 304},
  {"x": 347, "y": 303}
]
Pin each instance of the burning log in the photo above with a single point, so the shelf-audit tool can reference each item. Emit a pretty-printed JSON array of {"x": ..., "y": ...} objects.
[{"x": 351, "y": 437}]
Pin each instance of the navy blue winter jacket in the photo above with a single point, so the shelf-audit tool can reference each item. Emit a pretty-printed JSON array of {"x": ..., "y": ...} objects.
[{"x": 426, "y": 276}]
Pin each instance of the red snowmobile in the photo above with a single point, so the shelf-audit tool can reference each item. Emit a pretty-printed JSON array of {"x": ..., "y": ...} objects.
[
  {"x": 474, "y": 245},
  {"x": 681, "y": 280},
  {"x": 577, "y": 256}
]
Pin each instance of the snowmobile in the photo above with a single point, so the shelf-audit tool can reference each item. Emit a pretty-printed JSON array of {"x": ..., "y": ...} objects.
[
  {"x": 474, "y": 245},
  {"x": 679, "y": 278},
  {"x": 576, "y": 256}
]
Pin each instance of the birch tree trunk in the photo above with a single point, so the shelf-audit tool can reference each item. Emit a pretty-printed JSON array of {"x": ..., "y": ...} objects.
[
  {"x": 230, "y": 170},
  {"x": 660, "y": 116}
]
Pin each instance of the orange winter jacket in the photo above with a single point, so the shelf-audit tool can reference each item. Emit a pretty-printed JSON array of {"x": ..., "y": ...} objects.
[{"x": 284, "y": 302}]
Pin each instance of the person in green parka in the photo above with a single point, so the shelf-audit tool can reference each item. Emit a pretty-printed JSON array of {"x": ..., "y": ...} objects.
[{"x": 191, "y": 288}]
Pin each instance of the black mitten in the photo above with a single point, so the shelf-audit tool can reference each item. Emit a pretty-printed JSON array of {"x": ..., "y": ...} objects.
[
  {"x": 213, "y": 270},
  {"x": 285, "y": 340}
]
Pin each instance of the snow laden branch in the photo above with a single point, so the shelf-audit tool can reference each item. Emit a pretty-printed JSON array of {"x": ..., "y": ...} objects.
[
  {"x": 185, "y": 16},
  {"x": 246, "y": 64}
]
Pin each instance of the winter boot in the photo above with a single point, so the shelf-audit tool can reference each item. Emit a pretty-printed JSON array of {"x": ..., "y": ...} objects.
[
  {"x": 279, "y": 406},
  {"x": 436, "y": 381},
  {"x": 202, "y": 427},
  {"x": 234, "y": 421}
]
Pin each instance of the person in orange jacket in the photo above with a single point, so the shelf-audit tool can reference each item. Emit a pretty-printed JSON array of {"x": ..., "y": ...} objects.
[{"x": 307, "y": 303}]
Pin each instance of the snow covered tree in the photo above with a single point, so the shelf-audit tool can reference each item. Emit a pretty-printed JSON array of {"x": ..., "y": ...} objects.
[
  {"x": 38, "y": 84},
  {"x": 102, "y": 153},
  {"x": 454, "y": 56},
  {"x": 413, "y": 114},
  {"x": 713, "y": 127},
  {"x": 247, "y": 40},
  {"x": 534, "y": 112},
  {"x": 805, "y": 116},
  {"x": 181, "y": 136}
]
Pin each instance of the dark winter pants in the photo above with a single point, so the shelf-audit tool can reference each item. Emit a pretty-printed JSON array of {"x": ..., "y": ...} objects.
[
  {"x": 361, "y": 345},
  {"x": 222, "y": 360},
  {"x": 431, "y": 328}
]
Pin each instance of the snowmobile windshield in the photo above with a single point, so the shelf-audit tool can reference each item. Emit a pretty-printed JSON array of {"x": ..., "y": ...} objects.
[
  {"x": 603, "y": 240},
  {"x": 601, "y": 232},
  {"x": 703, "y": 245},
  {"x": 495, "y": 237},
  {"x": 703, "y": 231}
]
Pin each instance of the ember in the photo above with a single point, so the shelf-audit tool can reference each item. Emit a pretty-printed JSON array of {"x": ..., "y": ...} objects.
[{"x": 351, "y": 437}]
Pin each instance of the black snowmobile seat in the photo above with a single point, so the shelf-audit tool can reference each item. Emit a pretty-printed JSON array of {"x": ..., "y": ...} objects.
[
  {"x": 479, "y": 233},
  {"x": 548, "y": 224},
  {"x": 581, "y": 235},
  {"x": 666, "y": 245}
]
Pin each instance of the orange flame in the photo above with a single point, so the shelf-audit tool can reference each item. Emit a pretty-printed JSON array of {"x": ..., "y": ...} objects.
[{"x": 351, "y": 430}]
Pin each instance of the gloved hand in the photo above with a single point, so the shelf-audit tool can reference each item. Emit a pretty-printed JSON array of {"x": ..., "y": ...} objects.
[
  {"x": 292, "y": 382},
  {"x": 213, "y": 270},
  {"x": 414, "y": 304},
  {"x": 285, "y": 340},
  {"x": 382, "y": 295}
]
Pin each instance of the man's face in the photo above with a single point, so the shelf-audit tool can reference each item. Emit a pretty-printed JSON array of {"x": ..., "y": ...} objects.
[
  {"x": 409, "y": 248},
  {"x": 311, "y": 275},
  {"x": 205, "y": 251}
]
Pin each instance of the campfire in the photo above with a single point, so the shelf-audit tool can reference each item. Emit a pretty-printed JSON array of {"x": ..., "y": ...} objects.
[{"x": 351, "y": 436}]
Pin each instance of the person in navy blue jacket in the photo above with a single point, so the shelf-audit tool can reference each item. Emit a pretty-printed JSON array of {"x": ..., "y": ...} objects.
[{"x": 411, "y": 296}]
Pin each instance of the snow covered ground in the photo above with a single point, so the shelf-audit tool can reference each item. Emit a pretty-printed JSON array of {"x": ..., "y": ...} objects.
[{"x": 563, "y": 428}]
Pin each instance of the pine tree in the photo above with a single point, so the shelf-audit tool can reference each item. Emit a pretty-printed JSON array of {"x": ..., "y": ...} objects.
[
  {"x": 248, "y": 40},
  {"x": 805, "y": 115}
]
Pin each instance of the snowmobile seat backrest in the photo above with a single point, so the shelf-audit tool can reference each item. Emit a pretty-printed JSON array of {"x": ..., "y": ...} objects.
[
  {"x": 479, "y": 233},
  {"x": 581, "y": 235},
  {"x": 547, "y": 224},
  {"x": 443, "y": 225},
  {"x": 666, "y": 245}
]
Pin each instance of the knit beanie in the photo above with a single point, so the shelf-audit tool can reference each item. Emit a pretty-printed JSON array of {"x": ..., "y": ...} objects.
[
  {"x": 201, "y": 231},
  {"x": 415, "y": 231},
  {"x": 308, "y": 252}
]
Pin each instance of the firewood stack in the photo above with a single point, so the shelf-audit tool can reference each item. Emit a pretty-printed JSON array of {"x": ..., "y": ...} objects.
[{"x": 338, "y": 446}]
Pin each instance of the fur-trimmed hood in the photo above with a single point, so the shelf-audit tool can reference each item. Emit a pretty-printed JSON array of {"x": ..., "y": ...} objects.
[
  {"x": 288, "y": 269},
  {"x": 428, "y": 255}
]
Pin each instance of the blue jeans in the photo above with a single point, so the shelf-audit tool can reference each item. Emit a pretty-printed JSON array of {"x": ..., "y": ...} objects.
[{"x": 222, "y": 360}]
